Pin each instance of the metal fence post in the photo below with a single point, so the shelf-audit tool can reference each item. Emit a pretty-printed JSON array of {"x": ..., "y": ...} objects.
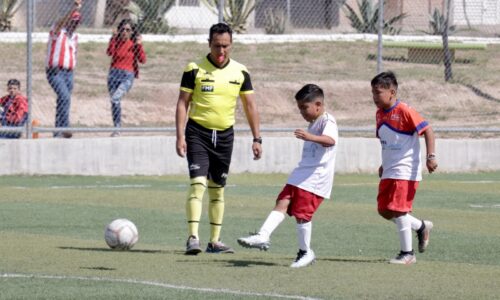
[
  {"x": 448, "y": 73},
  {"x": 221, "y": 11},
  {"x": 29, "y": 65},
  {"x": 380, "y": 36}
]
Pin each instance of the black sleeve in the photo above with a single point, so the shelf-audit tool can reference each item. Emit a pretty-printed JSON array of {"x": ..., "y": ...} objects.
[
  {"x": 188, "y": 79},
  {"x": 247, "y": 83}
]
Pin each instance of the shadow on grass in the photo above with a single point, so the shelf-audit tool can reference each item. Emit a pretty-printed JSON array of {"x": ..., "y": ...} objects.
[
  {"x": 248, "y": 263},
  {"x": 232, "y": 262},
  {"x": 355, "y": 260},
  {"x": 98, "y": 268},
  {"x": 480, "y": 93},
  {"x": 111, "y": 250}
]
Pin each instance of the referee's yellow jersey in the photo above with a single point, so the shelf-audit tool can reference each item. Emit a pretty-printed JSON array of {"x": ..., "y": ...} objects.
[{"x": 215, "y": 91}]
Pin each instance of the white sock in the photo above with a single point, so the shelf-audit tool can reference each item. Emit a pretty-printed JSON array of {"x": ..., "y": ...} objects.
[
  {"x": 304, "y": 231},
  {"x": 273, "y": 220},
  {"x": 403, "y": 224},
  {"x": 415, "y": 223}
]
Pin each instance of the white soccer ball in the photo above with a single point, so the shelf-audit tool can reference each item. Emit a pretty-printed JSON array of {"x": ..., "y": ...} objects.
[{"x": 121, "y": 234}]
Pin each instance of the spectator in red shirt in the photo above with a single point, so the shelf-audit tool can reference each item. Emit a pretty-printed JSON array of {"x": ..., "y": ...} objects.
[
  {"x": 14, "y": 109},
  {"x": 126, "y": 51}
]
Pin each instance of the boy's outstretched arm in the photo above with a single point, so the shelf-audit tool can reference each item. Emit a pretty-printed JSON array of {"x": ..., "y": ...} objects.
[
  {"x": 431, "y": 161},
  {"x": 323, "y": 140}
]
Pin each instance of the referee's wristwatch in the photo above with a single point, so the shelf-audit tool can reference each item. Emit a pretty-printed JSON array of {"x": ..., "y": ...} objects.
[{"x": 257, "y": 140}]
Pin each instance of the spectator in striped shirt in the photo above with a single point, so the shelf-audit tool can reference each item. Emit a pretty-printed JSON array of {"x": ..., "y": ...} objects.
[
  {"x": 60, "y": 63},
  {"x": 14, "y": 109},
  {"x": 126, "y": 51}
]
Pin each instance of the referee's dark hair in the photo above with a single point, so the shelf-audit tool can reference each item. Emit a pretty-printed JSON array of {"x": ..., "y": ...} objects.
[
  {"x": 309, "y": 93},
  {"x": 385, "y": 80},
  {"x": 220, "y": 28},
  {"x": 14, "y": 82}
]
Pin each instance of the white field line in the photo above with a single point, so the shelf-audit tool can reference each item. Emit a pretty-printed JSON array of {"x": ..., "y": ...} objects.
[
  {"x": 153, "y": 283},
  {"x": 105, "y": 186},
  {"x": 476, "y": 181},
  {"x": 484, "y": 206}
]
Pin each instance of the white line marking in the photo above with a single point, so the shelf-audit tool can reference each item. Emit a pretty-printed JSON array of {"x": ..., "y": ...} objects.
[
  {"x": 484, "y": 206},
  {"x": 104, "y": 186},
  {"x": 153, "y": 283},
  {"x": 476, "y": 181}
]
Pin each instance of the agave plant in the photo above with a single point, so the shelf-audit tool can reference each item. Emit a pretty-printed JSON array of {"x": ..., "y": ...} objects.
[
  {"x": 8, "y": 10},
  {"x": 368, "y": 18},
  {"x": 275, "y": 21},
  {"x": 150, "y": 14},
  {"x": 437, "y": 24},
  {"x": 236, "y": 12}
]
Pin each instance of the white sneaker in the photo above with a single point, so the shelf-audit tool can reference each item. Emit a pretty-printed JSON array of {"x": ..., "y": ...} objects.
[
  {"x": 424, "y": 235},
  {"x": 255, "y": 241},
  {"x": 404, "y": 259},
  {"x": 304, "y": 258}
]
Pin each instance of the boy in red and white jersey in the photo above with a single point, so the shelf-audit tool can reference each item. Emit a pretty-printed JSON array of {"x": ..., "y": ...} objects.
[{"x": 398, "y": 128}]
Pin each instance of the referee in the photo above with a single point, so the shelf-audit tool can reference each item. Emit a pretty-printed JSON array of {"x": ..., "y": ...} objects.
[{"x": 204, "y": 119}]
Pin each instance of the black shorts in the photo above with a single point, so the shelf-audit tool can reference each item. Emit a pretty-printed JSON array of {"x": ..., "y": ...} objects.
[{"x": 209, "y": 152}]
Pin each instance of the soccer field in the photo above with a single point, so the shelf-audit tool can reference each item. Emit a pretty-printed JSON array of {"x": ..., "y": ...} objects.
[{"x": 52, "y": 245}]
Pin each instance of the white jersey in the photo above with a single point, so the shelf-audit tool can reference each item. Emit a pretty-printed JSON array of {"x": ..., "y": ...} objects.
[{"x": 317, "y": 167}]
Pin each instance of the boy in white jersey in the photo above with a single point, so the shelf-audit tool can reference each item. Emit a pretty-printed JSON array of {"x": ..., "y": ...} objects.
[
  {"x": 398, "y": 128},
  {"x": 310, "y": 182}
]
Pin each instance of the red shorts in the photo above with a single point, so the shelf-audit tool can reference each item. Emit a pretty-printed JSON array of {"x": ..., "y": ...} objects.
[
  {"x": 396, "y": 195},
  {"x": 303, "y": 204}
]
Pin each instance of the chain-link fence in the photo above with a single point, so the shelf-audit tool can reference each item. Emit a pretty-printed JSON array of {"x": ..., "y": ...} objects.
[{"x": 90, "y": 69}]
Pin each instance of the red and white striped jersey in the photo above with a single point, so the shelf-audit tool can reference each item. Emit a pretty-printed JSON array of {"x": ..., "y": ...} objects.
[{"x": 61, "y": 50}]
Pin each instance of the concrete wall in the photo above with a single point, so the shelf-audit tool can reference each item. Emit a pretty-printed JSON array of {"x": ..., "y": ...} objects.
[{"x": 156, "y": 156}]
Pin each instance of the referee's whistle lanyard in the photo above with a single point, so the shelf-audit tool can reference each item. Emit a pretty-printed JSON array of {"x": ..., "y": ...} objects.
[{"x": 214, "y": 138}]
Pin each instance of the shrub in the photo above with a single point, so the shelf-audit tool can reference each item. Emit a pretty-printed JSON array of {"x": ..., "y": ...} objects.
[
  {"x": 367, "y": 21},
  {"x": 275, "y": 21},
  {"x": 236, "y": 12},
  {"x": 437, "y": 24},
  {"x": 8, "y": 10},
  {"x": 150, "y": 14}
]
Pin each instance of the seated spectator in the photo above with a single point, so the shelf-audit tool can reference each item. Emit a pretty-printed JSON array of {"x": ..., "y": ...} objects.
[{"x": 14, "y": 108}]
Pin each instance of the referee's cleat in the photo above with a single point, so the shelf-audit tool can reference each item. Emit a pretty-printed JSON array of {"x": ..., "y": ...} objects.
[
  {"x": 193, "y": 246},
  {"x": 218, "y": 247},
  {"x": 423, "y": 235},
  {"x": 255, "y": 241}
]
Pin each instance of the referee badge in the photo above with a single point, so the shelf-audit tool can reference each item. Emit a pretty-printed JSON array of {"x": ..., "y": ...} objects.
[{"x": 207, "y": 88}]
